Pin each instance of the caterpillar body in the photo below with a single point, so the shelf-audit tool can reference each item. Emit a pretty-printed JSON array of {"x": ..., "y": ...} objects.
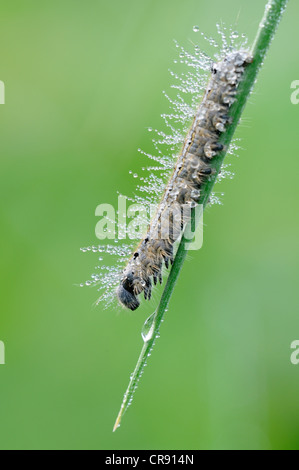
[{"x": 192, "y": 168}]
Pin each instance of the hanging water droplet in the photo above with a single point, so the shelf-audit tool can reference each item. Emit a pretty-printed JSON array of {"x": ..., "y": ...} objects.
[
  {"x": 196, "y": 28},
  {"x": 148, "y": 327}
]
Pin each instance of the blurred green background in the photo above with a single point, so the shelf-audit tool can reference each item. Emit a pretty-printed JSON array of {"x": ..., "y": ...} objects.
[{"x": 83, "y": 82}]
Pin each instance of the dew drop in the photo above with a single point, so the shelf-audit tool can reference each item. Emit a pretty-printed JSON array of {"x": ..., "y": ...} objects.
[
  {"x": 196, "y": 28},
  {"x": 148, "y": 328}
]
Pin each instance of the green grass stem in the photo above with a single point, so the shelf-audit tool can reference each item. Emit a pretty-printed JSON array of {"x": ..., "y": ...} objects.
[{"x": 267, "y": 28}]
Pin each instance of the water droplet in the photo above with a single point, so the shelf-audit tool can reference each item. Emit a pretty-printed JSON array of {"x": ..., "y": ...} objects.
[
  {"x": 196, "y": 28},
  {"x": 148, "y": 328}
]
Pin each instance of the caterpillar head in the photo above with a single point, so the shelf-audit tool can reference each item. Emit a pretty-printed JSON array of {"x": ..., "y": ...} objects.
[{"x": 125, "y": 292}]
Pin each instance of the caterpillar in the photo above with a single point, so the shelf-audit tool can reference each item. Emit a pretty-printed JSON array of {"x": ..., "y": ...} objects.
[{"x": 191, "y": 170}]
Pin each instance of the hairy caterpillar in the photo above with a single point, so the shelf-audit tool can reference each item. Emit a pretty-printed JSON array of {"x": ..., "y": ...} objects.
[{"x": 191, "y": 170}]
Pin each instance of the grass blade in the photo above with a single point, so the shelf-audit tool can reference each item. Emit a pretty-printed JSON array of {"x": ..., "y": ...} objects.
[{"x": 273, "y": 13}]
